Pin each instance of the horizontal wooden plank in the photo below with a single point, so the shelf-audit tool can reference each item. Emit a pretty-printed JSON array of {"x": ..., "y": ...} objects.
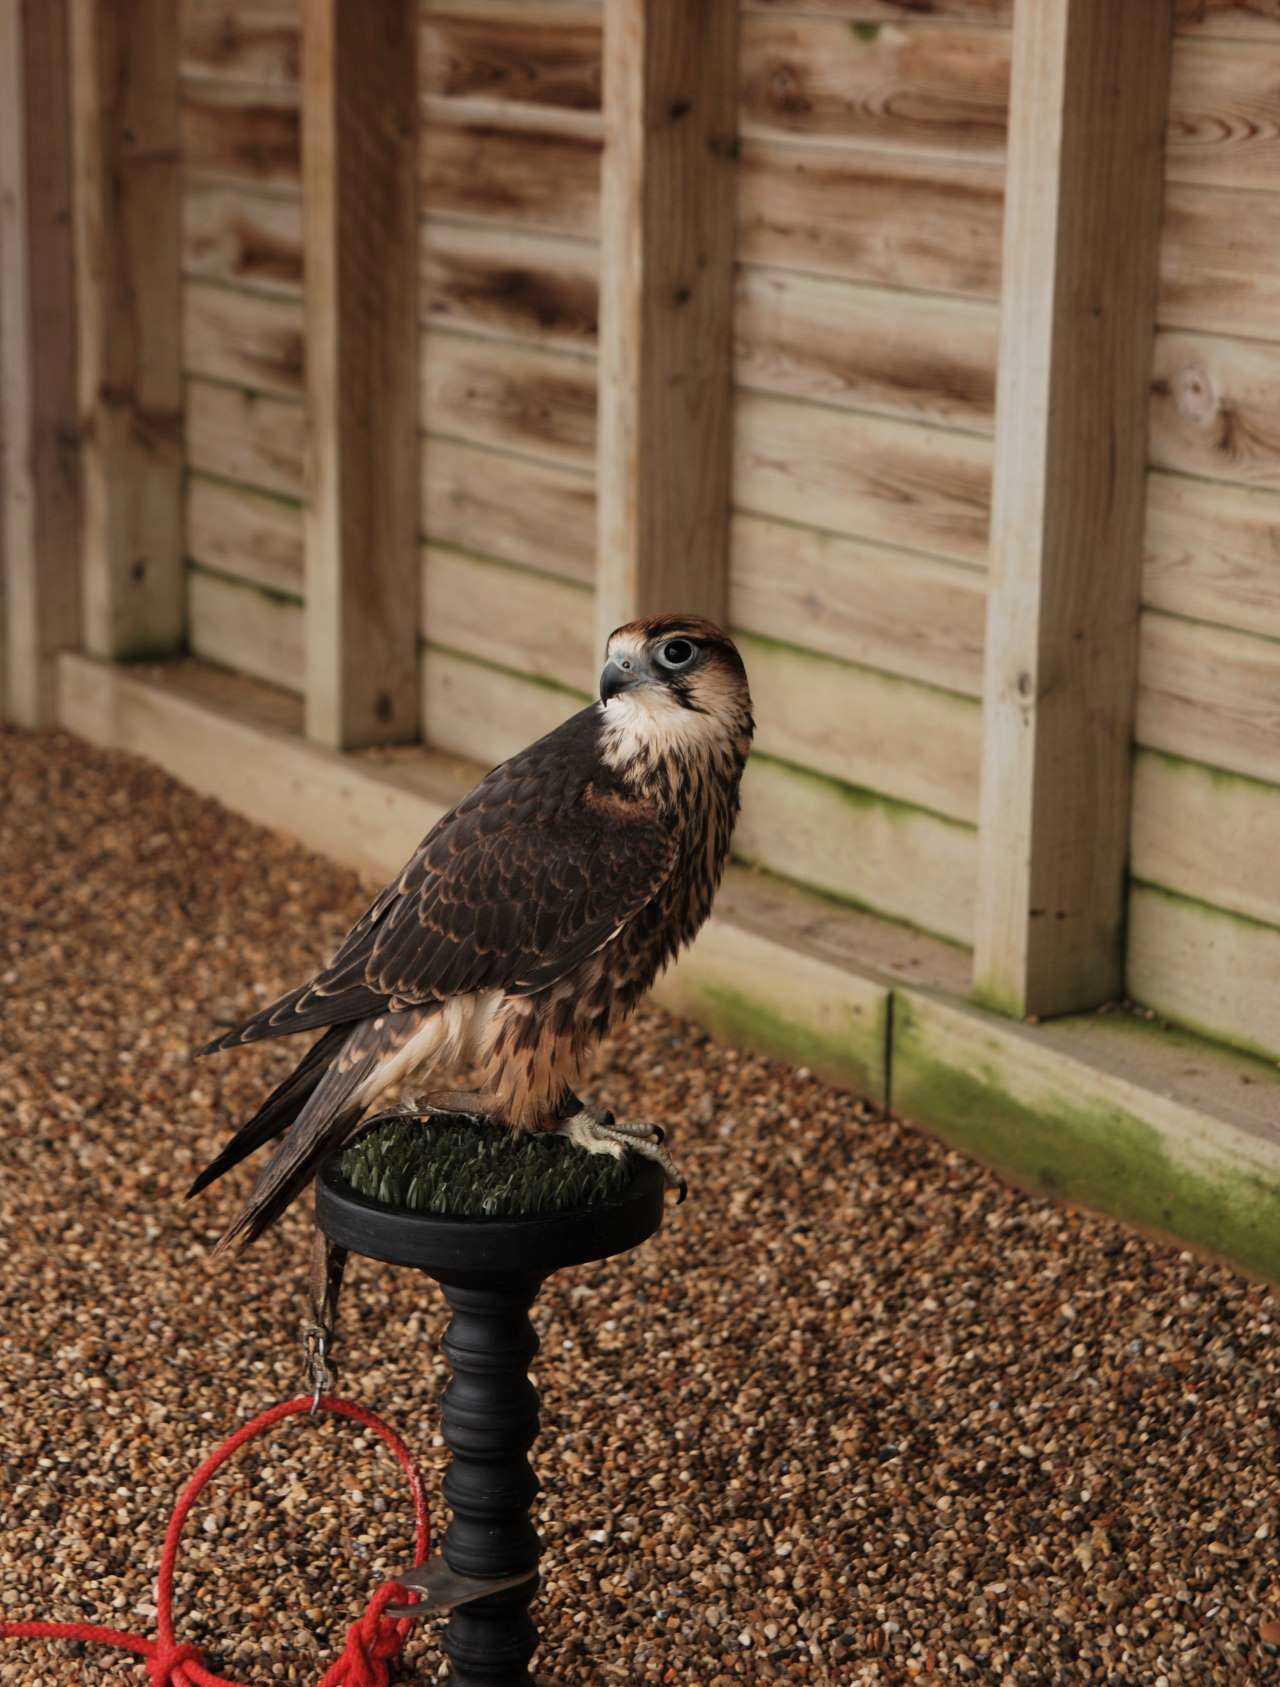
[
  {"x": 866, "y": 729},
  {"x": 1237, "y": 19},
  {"x": 1209, "y": 695},
  {"x": 996, "y": 12},
  {"x": 914, "y": 743},
  {"x": 842, "y": 937},
  {"x": 498, "y": 280},
  {"x": 1215, "y": 408},
  {"x": 487, "y": 713},
  {"x": 1224, "y": 114},
  {"x": 251, "y": 339},
  {"x": 548, "y": 55},
  {"x": 1213, "y": 972},
  {"x": 1218, "y": 264},
  {"x": 247, "y": 437},
  {"x": 520, "y": 397},
  {"x": 863, "y": 849},
  {"x": 244, "y": 628},
  {"x": 930, "y": 89},
  {"x": 905, "y": 88},
  {"x": 241, "y": 40},
  {"x": 1246, "y": 20},
  {"x": 529, "y": 179},
  {"x": 1211, "y": 552},
  {"x": 241, "y": 741},
  {"x": 248, "y": 534},
  {"x": 867, "y": 476},
  {"x": 494, "y": 394},
  {"x": 250, "y": 135},
  {"x": 868, "y": 348},
  {"x": 865, "y": 216},
  {"x": 1206, "y": 834},
  {"x": 884, "y": 609},
  {"x": 494, "y": 9},
  {"x": 530, "y": 622},
  {"x": 507, "y": 116},
  {"x": 870, "y": 216},
  {"x": 236, "y": 235},
  {"x": 541, "y": 515}
]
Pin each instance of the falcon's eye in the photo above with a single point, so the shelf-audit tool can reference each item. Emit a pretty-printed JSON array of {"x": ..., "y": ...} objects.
[{"x": 677, "y": 653}]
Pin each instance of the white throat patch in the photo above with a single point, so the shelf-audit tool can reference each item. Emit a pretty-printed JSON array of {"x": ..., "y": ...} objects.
[{"x": 649, "y": 724}]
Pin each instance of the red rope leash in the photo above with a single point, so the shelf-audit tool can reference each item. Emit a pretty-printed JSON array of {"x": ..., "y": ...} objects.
[{"x": 373, "y": 1643}]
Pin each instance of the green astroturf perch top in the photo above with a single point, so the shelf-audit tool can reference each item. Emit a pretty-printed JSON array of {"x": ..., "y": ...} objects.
[{"x": 460, "y": 1168}]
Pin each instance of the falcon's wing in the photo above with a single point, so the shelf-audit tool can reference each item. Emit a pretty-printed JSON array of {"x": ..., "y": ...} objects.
[{"x": 529, "y": 875}]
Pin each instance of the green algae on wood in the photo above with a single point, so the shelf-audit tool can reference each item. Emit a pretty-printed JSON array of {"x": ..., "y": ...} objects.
[
  {"x": 860, "y": 798},
  {"x": 1206, "y": 968},
  {"x": 786, "y": 1002},
  {"x": 888, "y": 856},
  {"x": 1207, "y": 835},
  {"x": 1057, "y": 1125},
  {"x": 855, "y": 1059}
]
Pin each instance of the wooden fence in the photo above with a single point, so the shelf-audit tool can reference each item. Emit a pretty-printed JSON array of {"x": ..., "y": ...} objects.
[{"x": 404, "y": 431}]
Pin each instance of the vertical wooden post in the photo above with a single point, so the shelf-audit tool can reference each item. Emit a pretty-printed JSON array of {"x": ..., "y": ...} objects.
[
  {"x": 39, "y": 492},
  {"x": 667, "y": 241},
  {"x": 126, "y": 197},
  {"x": 1090, "y": 81},
  {"x": 360, "y": 256}
]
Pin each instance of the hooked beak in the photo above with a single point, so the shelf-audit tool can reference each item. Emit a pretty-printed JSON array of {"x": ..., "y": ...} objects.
[{"x": 616, "y": 678}]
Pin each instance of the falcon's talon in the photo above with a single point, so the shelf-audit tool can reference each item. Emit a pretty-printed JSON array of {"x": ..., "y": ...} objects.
[{"x": 587, "y": 1130}]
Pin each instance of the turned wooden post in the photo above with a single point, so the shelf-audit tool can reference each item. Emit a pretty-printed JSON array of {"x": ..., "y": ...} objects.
[
  {"x": 490, "y": 1270},
  {"x": 490, "y": 1421}
]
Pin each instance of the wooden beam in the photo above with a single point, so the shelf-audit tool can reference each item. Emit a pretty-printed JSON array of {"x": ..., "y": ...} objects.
[
  {"x": 667, "y": 240},
  {"x": 361, "y": 257},
  {"x": 246, "y": 436},
  {"x": 39, "y": 536},
  {"x": 127, "y": 228},
  {"x": 1090, "y": 82}
]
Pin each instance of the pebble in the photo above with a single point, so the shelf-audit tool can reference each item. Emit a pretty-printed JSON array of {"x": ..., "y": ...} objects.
[{"x": 860, "y": 1413}]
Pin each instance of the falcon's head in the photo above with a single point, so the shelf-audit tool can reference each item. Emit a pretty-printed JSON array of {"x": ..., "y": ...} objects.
[{"x": 674, "y": 684}]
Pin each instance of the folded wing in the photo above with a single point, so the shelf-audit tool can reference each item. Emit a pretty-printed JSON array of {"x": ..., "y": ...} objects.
[{"x": 512, "y": 889}]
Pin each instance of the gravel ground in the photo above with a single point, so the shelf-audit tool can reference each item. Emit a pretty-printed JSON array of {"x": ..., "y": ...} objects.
[{"x": 860, "y": 1413}]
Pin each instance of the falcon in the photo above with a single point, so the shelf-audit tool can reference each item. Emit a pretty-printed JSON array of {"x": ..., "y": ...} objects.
[{"x": 528, "y": 921}]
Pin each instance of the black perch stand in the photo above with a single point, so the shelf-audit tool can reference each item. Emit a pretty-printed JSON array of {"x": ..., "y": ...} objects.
[{"x": 490, "y": 1270}]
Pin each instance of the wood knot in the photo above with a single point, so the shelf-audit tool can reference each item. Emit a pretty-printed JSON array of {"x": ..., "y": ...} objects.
[
  {"x": 1194, "y": 394},
  {"x": 786, "y": 92}
]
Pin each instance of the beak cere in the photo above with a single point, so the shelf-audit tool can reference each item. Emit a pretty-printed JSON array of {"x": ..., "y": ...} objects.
[{"x": 616, "y": 679}]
